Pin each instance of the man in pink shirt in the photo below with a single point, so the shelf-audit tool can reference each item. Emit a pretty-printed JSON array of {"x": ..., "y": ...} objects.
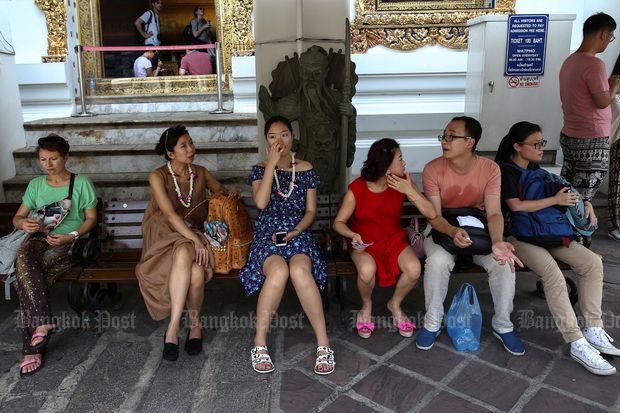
[
  {"x": 586, "y": 93},
  {"x": 459, "y": 179},
  {"x": 196, "y": 63}
]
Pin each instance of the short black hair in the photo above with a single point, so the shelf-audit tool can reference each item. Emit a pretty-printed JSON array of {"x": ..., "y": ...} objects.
[
  {"x": 53, "y": 143},
  {"x": 473, "y": 129},
  {"x": 598, "y": 22}
]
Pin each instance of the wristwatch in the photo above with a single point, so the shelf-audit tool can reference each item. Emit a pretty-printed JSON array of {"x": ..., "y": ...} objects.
[{"x": 75, "y": 234}]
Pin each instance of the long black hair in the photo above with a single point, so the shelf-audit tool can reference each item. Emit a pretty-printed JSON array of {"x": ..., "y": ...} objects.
[
  {"x": 168, "y": 140},
  {"x": 517, "y": 134},
  {"x": 380, "y": 156}
]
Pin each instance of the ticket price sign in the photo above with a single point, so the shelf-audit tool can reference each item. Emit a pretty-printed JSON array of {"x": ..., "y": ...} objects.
[{"x": 526, "y": 44}]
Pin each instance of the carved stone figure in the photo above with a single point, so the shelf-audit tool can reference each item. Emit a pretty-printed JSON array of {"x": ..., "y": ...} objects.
[{"x": 313, "y": 90}]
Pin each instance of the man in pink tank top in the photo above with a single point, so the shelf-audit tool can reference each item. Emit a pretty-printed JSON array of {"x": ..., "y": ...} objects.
[
  {"x": 586, "y": 93},
  {"x": 459, "y": 179}
]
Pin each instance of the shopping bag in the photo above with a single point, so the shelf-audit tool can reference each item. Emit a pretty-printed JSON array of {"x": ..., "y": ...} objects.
[
  {"x": 464, "y": 319},
  {"x": 9, "y": 245}
]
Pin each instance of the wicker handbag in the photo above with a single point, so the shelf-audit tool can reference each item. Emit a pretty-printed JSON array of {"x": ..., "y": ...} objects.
[{"x": 234, "y": 253}]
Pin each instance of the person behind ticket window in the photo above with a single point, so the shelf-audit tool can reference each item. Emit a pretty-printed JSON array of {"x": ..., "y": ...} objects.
[
  {"x": 523, "y": 146},
  {"x": 369, "y": 218},
  {"x": 195, "y": 63},
  {"x": 45, "y": 255},
  {"x": 201, "y": 29},
  {"x": 150, "y": 18},
  {"x": 142, "y": 66}
]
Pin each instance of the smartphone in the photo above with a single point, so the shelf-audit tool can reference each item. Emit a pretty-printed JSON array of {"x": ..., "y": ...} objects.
[{"x": 280, "y": 239}]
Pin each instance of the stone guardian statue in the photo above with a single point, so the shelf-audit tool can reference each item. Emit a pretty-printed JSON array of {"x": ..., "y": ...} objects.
[{"x": 309, "y": 89}]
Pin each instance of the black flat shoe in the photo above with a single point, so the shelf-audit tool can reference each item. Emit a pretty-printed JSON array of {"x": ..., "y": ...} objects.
[
  {"x": 171, "y": 351},
  {"x": 193, "y": 346}
]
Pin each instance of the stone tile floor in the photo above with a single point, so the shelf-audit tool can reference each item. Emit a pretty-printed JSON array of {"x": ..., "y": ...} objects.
[{"x": 115, "y": 364}]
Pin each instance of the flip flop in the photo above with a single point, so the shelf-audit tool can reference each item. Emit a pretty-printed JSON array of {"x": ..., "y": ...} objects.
[
  {"x": 365, "y": 328},
  {"x": 38, "y": 358},
  {"x": 43, "y": 343},
  {"x": 405, "y": 328}
]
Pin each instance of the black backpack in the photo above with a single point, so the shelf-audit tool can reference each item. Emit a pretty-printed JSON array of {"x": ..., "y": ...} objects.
[
  {"x": 188, "y": 35},
  {"x": 139, "y": 39}
]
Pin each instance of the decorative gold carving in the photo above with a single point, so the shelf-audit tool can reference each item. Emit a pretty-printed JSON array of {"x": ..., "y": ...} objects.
[
  {"x": 408, "y": 25},
  {"x": 173, "y": 85},
  {"x": 234, "y": 31},
  {"x": 237, "y": 14},
  {"x": 56, "y": 20}
]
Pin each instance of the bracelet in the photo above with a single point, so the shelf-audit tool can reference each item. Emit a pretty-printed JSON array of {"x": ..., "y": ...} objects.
[
  {"x": 416, "y": 200},
  {"x": 296, "y": 229}
]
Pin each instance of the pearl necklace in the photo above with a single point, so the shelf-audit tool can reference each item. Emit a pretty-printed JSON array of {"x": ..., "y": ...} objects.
[
  {"x": 192, "y": 177},
  {"x": 291, "y": 185}
]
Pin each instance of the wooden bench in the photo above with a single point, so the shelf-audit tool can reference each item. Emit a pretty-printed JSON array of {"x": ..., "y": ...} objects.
[
  {"x": 121, "y": 248},
  {"x": 119, "y": 231}
]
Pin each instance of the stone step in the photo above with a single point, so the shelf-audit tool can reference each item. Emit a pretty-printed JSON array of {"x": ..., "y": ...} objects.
[
  {"x": 133, "y": 185},
  {"x": 153, "y": 102},
  {"x": 117, "y": 148},
  {"x": 144, "y": 128},
  {"x": 115, "y": 158}
]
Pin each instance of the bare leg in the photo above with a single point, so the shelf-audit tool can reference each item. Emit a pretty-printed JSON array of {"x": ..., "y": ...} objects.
[
  {"x": 178, "y": 285},
  {"x": 411, "y": 268},
  {"x": 195, "y": 297},
  {"x": 366, "y": 270},
  {"x": 310, "y": 299},
  {"x": 309, "y": 296},
  {"x": 276, "y": 276}
]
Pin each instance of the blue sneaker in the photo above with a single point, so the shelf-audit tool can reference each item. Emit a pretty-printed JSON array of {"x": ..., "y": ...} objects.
[
  {"x": 426, "y": 339},
  {"x": 512, "y": 343}
]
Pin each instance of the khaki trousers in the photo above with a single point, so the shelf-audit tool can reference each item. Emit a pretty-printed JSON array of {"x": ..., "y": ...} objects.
[{"x": 587, "y": 265}]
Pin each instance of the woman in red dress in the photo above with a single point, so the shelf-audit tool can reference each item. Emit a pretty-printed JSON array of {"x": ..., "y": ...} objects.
[{"x": 370, "y": 217}]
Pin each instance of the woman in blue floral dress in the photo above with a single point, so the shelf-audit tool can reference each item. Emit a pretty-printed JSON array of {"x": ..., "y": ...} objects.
[{"x": 284, "y": 190}]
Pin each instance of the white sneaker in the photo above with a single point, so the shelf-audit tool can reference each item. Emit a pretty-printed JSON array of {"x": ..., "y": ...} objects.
[
  {"x": 600, "y": 340},
  {"x": 583, "y": 353},
  {"x": 615, "y": 234}
]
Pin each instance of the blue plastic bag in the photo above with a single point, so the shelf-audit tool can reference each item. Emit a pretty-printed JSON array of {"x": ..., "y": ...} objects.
[{"x": 464, "y": 319}]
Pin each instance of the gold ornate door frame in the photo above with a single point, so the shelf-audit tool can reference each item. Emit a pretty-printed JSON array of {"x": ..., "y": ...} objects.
[
  {"x": 234, "y": 31},
  {"x": 55, "y": 12},
  {"x": 408, "y": 25}
]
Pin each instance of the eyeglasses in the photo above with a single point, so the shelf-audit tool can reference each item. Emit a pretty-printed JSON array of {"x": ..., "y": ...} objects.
[
  {"x": 536, "y": 145},
  {"x": 611, "y": 37},
  {"x": 449, "y": 138}
]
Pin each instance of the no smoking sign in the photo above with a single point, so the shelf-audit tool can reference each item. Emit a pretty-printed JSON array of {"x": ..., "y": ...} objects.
[{"x": 523, "y": 81}]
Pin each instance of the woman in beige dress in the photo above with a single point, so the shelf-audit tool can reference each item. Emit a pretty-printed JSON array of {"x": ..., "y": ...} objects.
[{"x": 177, "y": 260}]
